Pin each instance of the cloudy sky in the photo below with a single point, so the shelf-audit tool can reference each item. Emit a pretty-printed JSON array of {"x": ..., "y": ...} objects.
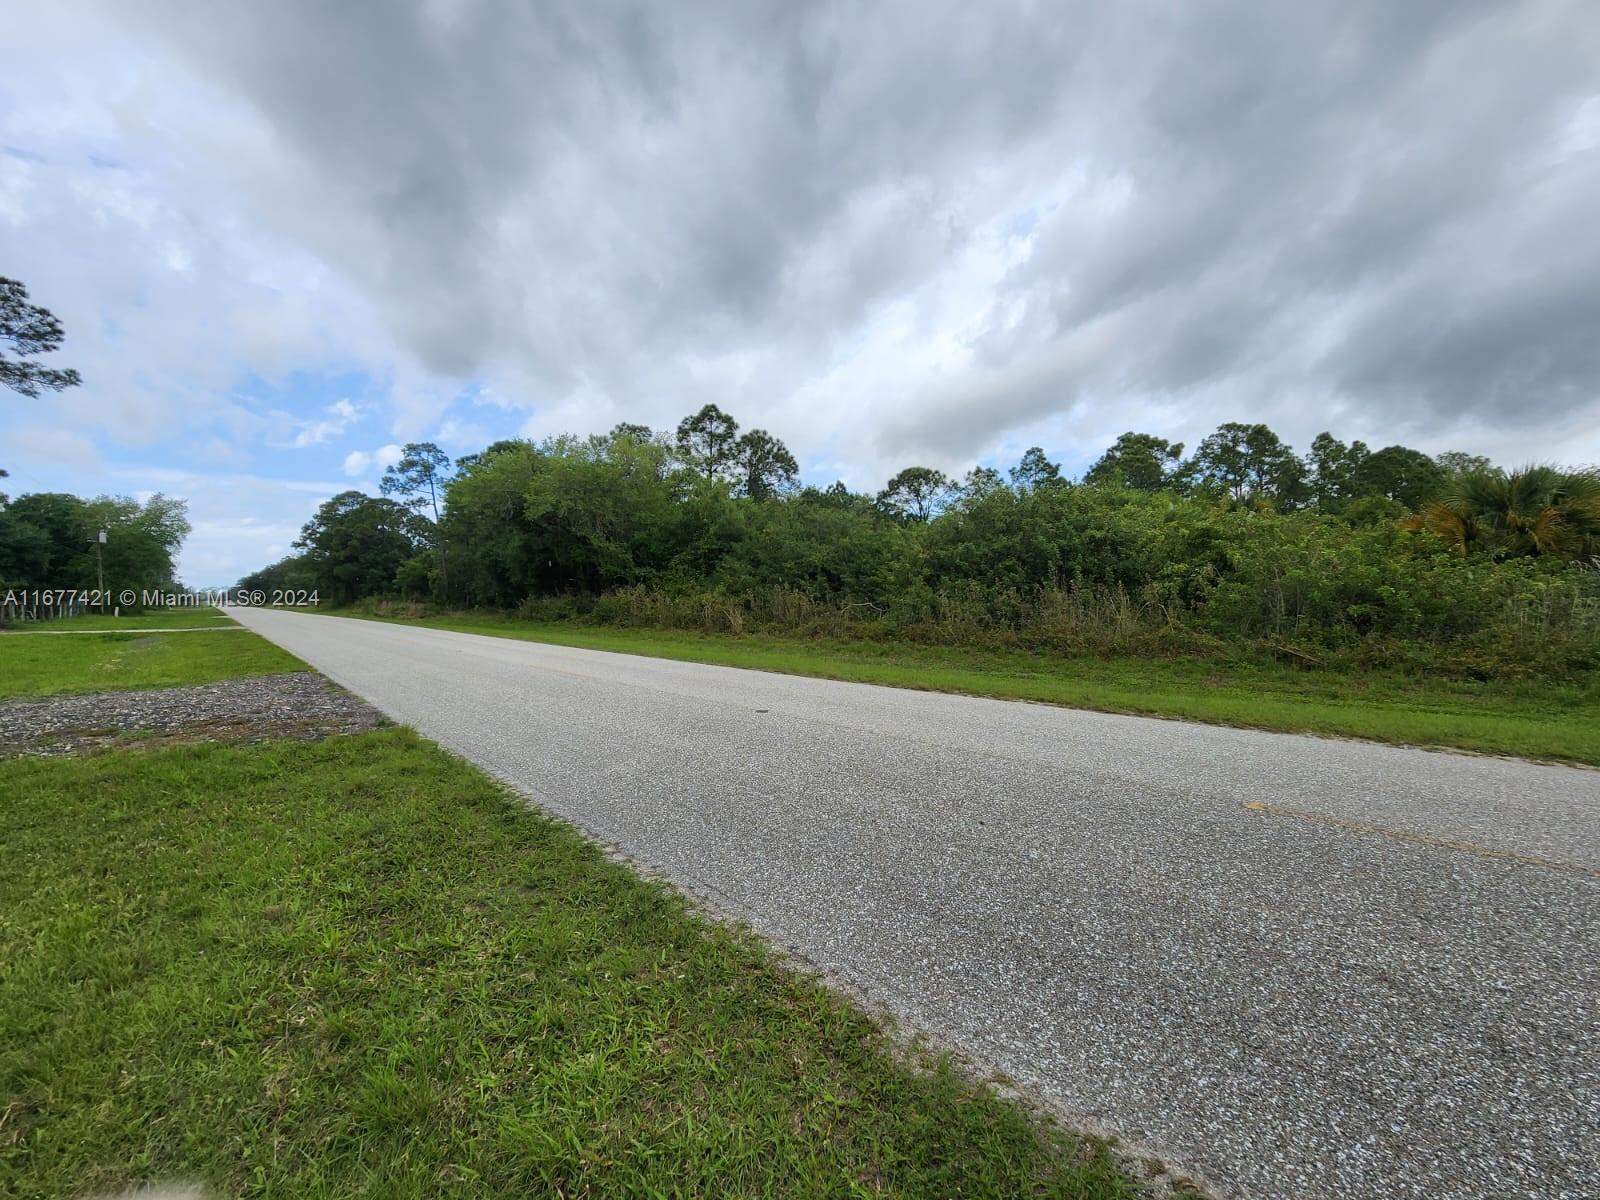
[{"x": 287, "y": 237}]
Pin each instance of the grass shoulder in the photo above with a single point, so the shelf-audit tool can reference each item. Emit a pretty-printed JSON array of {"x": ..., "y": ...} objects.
[
  {"x": 1534, "y": 719},
  {"x": 197, "y": 617},
  {"x": 105, "y": 653},
  {"x": 359, "y": 966}
]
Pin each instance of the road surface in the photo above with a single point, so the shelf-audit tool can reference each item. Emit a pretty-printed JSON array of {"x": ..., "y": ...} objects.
[{"x": 1303, "y": 967}]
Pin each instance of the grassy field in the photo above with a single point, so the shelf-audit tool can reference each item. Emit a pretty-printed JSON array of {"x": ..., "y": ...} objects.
[
  {"x": 101, "y": 654},
  {"x": 357, "y": 967},
  {"x": 1531, "y": 720}
]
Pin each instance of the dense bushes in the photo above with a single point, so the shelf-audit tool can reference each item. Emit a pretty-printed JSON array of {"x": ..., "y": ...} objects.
[
  {"x": 628, "y": 529},
  {"x": 1148, "y": 576}
]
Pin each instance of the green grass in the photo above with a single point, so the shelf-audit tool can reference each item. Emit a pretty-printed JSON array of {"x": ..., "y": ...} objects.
[
  {"x": 160, "y": 618},
  {"x": 1534, "y": 719},
  {"x": 357, "y": 968},
  {"x": 125, "y": 656}
]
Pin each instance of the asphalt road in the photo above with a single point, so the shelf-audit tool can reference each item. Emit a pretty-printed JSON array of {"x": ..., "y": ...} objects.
[{"x": 1304, "y": 967}]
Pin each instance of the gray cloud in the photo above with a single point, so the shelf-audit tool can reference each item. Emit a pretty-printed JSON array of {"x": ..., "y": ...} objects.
[{"x": 925, "y": 229}]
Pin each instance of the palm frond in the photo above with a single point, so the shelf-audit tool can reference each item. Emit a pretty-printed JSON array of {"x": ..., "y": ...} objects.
[{"x": 1536, "y": 510}]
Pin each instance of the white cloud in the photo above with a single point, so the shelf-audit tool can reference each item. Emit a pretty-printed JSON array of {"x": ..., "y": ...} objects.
[
  {"x": 49, "y": 447},
  {"x": 463, "y": 436},
  {"x": 358, "y": 462},
  {"x": 338, "y": 417},
  {"x": 221, "y": 452}
]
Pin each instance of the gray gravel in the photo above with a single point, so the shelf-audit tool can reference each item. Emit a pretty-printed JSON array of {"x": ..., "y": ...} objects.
[
  {"x": 1384, "y": 984},
  {"x": 301, "y": 704}
]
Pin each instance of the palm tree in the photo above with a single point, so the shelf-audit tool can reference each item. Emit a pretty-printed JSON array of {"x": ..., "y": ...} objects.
[{"x": 1537, "y": 510}]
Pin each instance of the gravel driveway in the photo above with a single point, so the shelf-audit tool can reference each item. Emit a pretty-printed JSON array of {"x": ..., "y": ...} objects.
[
  {"x": 1306, "y": 968},
  {"x": 300, "y": 704}
]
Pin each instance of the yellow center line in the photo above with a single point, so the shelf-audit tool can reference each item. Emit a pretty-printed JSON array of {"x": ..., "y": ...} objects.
[{"x": 1351, "y": 825}]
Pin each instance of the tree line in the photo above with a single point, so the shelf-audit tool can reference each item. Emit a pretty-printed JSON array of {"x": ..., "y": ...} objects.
[
  {"x": 48, "y": 540},
  {"x": 1242, "y": 539}
]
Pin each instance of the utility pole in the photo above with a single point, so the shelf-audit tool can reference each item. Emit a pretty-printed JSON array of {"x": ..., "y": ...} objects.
[{"x": 100, "y": 567}]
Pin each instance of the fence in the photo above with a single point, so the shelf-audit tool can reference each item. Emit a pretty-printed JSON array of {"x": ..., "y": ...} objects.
[{"x": 16, "y": 612}]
